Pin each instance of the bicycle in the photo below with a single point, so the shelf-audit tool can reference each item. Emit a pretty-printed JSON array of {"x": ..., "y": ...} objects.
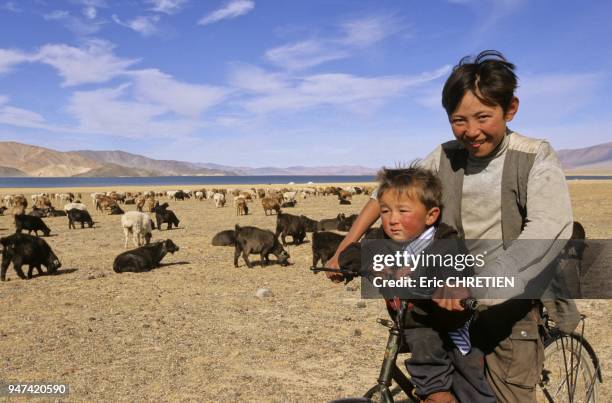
[{"x": 568, "y": 374}]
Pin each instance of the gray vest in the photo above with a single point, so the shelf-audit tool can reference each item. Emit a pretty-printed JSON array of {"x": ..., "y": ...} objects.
[
  {"x": 517, "y": 165},
  {"x": 518, "y": 162}
]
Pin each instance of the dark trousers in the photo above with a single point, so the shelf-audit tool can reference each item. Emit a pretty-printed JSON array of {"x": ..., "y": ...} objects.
[
  {"x": 508, "y": 334},
  {"x": 436, "y": 365}
]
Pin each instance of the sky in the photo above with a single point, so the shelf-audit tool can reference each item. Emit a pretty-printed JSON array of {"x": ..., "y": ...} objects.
[{"x": 284, "y": 83}]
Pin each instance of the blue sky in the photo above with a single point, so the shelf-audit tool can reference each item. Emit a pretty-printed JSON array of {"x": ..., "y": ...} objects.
[{"x": 280, "y": 83}]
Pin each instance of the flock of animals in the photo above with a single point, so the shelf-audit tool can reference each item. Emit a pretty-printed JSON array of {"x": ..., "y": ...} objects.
[{"x": 22, "y": 249}]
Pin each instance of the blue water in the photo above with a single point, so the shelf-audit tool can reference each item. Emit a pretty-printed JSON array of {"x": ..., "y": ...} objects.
[
  {"x": 198, "y": 180},
  {"x": 177, "y": 180}
]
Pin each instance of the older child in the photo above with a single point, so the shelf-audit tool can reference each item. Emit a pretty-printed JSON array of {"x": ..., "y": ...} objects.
[
  {"x": 441, "y": 359},
  {"x": 498, "y": 185}
]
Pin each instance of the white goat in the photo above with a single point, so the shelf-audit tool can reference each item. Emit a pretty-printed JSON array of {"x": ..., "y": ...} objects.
[{"x": 139, "y": 225}]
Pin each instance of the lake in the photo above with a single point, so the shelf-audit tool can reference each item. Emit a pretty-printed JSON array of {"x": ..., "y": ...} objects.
[{"x": 36, "y": 182}]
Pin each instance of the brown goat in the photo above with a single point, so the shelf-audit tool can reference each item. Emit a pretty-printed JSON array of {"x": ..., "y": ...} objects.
[{"x": 270, "y": 204}]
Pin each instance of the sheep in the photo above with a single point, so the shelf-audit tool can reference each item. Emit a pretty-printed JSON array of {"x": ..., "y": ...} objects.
[
  {"x": 270, "y": 204},
  {"x": 219, "y": 199},
  {"x": 78, "y": 206},
  {"x": 241, "y": 207},
  {"x": 139, "y": 225}
]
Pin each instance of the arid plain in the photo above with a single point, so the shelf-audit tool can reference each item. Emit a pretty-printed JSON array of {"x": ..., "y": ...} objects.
[{"x": 193, "y": 330}]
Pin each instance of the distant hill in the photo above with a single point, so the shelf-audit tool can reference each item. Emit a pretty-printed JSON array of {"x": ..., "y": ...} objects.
[
  {"x": 594, "y": 157},
  {"x": 27, "y": 160},
  {"x": 158, "y": 167},
  {"x": 40, "y": 161},
  {"x": 6, "y": 172},
  {"x": 296, "y": 170},
  {"x": 114, "y": 170}
]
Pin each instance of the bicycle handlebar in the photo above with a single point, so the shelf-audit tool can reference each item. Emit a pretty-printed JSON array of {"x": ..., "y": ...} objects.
[{"x": 469, "y": 304}]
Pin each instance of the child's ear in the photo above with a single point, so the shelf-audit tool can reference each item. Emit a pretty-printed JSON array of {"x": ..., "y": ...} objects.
[
  {"x": 432, "y": 216},
  {"x": 512, "y": 109}
]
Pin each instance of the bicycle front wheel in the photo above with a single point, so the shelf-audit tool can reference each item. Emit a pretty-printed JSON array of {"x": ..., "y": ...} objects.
[{"x": 570, "y": 370}]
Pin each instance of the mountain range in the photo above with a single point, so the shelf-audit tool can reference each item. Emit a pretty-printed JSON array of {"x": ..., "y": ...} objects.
[{"x": 17, "y": 159}]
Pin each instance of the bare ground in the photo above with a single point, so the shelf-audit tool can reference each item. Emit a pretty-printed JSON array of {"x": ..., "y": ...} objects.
[{"x": 193, "y": 329}]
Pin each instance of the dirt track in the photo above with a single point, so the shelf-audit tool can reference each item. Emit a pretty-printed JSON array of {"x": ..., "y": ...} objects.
[{"x": 193, "y": 329}]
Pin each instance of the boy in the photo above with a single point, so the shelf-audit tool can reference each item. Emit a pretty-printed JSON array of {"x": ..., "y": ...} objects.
[
  {"x": 441, "y": 359},
  {"x": 500, "y": 186}
]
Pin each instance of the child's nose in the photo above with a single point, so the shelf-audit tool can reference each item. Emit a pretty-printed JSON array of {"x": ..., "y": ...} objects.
[{"x": 472, "y": 130}]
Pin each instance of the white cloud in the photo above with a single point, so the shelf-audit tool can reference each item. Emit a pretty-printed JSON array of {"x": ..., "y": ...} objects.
[
  {"x": 145, "y": 25},
  {"x": 166, "y": 6},
  {"x": 75, "y": 24},
  {"x": 359, "y": 94},
  {"x": 302, "y": 55},
  {"x": 56, "y": 15},
  {"x": 369, "y": 30},
  {"x": 555, "y": 96},
  {"x": 105, "y": 111},
  {"x": 11, "y": 6},
  {"x": 90, "y": 12},
  {"x": 179, "y": 97},
  {"x": 255, "y": 79},
  {"x": 233, "y": 9},
  {"x": 93, "y": 63},
  {"x": 9, "y": 58},
  {"x": 21, "y": 117},
  {"x": 354, "y": 35}
]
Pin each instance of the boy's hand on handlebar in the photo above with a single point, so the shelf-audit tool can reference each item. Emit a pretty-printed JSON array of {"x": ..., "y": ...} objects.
[
  {"x": 449, "y": 298},
  {"x": 333, "y": 264}
]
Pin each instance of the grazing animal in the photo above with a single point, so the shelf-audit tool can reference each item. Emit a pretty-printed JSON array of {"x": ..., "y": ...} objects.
[
  {"x": 290, "y": 203},
  {"x": 576, "y": 245},
  {"x": 30, "y": 223},
  {"x": 38, "y": 212},
  {"x": 139, "y": 225},
  {"x": 163, "y": 215},
  {"x": 56, "y": 213},
  {"x": 241, "y": 206},
  {"x": 224, "y": 238},
  {"x": 76, "y": 205},
  {"x": 144, "y": 258},
  {"x": 116, "y": 210},
  {"x": 2, "y": 210},
  {"x": 255, "y": 240},
  {"x": 346, "y": 223},
  {"x": 345, "y": 201},
  {"x": 324, "y": 245},
  {"x": 287, "y": 224},
  {"x": 180, "y": 195},
  {"x": 23, "y": 249},
  {"x": 309, "y": 224},
  {"x": 219, "y": 199},
  {"x": 270, "y": 204},
  {"x": 76, "y": 215},
  {"x": 331, "y": 223}
]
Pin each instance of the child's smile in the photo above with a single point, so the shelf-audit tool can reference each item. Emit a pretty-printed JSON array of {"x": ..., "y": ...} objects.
[{"x": 480, "y": 127}]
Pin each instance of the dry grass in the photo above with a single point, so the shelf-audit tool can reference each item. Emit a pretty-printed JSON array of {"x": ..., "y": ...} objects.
[{"x": 193, "y": 330}]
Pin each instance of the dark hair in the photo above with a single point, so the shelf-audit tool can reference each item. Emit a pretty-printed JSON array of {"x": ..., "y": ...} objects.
[
  {"x": 489, "y": 76},
  {"x": 413, "y": 181}
]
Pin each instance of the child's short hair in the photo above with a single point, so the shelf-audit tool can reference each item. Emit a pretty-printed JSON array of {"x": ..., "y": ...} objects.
[
  {"x": 489, "y": 76},
  {"x": 414, "y": 181}
]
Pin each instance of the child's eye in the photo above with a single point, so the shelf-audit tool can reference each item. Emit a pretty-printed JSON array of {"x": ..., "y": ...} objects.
[
  {"x": 457, "y": 121},
  {"x": 483, "y": 117}
]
